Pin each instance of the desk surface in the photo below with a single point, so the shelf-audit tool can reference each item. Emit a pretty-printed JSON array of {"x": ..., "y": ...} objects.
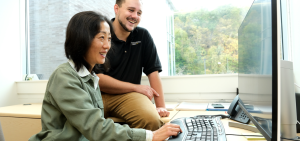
[
  {"x": 34, "y": 111},
  {"x": 26, "y": 111},
  {"x": 164, "y": 119},
  {"x": 228, "y": 130}
]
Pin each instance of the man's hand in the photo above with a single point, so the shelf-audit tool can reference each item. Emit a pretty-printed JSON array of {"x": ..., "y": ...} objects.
[
  {"x": 146, "y": 90},
  {"x": 162, "y": 112},
  {"x": 166, "y": 131}
]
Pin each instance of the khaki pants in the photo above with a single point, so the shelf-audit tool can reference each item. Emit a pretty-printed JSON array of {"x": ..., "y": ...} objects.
[{"x": 135, "y": 108}]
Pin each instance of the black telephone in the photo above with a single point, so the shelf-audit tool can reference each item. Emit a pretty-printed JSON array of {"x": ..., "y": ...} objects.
[{"x": 236, "y": 113}]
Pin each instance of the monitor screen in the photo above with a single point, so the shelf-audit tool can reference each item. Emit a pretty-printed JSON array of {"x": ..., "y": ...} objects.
[{"x": 257, "y": 78}]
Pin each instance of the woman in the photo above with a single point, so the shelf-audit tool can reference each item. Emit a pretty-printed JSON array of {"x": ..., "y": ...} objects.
[{"x": 72, "y": 107}]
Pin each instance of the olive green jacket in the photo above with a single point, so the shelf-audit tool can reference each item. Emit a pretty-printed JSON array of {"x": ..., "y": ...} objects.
[{"x": 73, "y": 111}]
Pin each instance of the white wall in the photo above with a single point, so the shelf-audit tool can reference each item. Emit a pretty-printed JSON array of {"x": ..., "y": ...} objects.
[
  {"x": 193, "y": 88},
  {"x": 295, "y": 34},
  {"x": 198, "y": 88},
  {"x": 10, "y": 44}
]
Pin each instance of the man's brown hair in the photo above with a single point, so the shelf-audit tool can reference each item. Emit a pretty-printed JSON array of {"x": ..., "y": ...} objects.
[{"x": 120, "y": 2}]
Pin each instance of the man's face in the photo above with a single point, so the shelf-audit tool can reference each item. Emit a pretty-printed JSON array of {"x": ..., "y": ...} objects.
[{"x": 129, "y": 14}]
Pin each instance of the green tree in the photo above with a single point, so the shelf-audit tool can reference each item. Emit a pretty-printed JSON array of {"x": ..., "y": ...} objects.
[{"x": 207, "y": 41}]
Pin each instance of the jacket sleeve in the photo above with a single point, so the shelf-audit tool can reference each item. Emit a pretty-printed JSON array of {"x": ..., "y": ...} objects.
[{"x": 76, "y": 104}]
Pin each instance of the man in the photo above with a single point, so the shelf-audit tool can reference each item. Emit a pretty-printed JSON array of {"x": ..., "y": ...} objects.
[{"x": 133, "y": 51}]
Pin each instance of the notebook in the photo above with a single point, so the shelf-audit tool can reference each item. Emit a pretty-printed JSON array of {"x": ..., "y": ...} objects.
[
  {"x": 211, "y": 108},
  {"x": 191, "y": 106},
  {"x": 170, "y": 106}
]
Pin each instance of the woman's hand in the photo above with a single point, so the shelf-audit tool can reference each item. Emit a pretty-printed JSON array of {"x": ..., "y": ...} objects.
[{"x": 166, "y": 131}]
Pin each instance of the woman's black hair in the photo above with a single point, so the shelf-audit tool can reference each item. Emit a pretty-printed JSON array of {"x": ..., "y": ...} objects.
[{"x": 81, "y": 30}]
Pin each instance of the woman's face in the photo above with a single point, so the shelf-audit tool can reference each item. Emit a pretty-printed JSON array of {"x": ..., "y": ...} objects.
[{"x": 99, "y": 46}]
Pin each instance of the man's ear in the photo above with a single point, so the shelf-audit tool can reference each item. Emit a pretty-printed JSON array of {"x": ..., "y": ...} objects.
[{"x": 116, "y": 8}]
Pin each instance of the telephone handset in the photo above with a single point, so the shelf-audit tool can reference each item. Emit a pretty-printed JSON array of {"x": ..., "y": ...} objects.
[{"x": 236, "y": 113}]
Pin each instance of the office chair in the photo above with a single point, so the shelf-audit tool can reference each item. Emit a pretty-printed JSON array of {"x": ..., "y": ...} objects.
[{"x": 1, "y": 134}]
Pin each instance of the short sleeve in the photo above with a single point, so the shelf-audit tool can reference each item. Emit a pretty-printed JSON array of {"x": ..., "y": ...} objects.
[{"x": 151, "y": 60}]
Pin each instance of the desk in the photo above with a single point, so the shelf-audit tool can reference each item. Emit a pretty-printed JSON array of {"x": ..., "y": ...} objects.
[
  {"x": 164, "y": 119},
  {"x": 228, "y": 130},
  {"x": 20, "y": 122}
]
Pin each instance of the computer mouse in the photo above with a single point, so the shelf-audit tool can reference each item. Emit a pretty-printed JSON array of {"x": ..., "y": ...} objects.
[{"x": 173, "y": 136}]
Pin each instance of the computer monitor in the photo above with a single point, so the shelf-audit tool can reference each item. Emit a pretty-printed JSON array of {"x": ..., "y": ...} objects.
[{"x": 258, "y": 66}]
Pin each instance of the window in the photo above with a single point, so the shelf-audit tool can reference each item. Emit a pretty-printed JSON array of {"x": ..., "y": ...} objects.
[
  {"x": 48, "y": 20},
  {"x": 192, "y": 37},
  {"x": 206, "y": 35},
  {"x": 293, "y": 46},
  {"x": 200, "y": 37},
  {"x": 285, "y": 30},
  {"x": 170, "y": 39}
]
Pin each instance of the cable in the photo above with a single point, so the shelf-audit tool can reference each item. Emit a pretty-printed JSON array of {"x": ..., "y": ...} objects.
[
  {"x": 173, "y": 116},
  {"x": 259, "y": 118},
  {"x": 297, "y": 85},
  {"x": 223, "y": 116},
  {"x": 245, "y": 135},
  {"x": 291, "y": 139}
]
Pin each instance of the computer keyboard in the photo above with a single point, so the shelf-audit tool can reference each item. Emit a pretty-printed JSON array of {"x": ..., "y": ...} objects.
[{"x": 200, "y": 128}]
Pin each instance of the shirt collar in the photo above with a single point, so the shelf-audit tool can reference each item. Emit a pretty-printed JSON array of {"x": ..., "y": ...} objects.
[{"x": 84, "y": 72}]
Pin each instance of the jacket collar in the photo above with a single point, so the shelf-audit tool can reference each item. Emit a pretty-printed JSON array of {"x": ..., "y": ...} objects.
[{"x": 83, "y": 72}]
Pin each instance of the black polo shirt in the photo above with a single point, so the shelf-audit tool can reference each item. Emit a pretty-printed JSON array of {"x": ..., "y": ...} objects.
[{"x": 129, "y": 59}]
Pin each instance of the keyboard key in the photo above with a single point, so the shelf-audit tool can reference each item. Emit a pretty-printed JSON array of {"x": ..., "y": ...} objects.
[
  {"x": 215, "y": 138},
  {"x": 199, "y": 129},
  {"x": 198, "y": 135},
  {"x": 187, "y": 120},
  {"x": 203, "y": 128}
]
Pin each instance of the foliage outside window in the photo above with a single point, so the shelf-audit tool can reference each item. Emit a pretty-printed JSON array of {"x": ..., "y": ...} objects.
[{"x": 206, "y": 41}]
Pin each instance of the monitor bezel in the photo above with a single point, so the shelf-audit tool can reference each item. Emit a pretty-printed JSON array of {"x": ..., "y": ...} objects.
[
  {"x": 275, "y": 13},
  {"x": 275, "y": 68}
]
